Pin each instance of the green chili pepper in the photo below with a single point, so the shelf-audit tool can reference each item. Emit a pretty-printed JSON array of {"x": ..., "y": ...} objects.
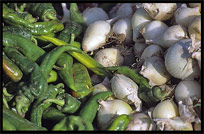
[
  {"x": 39, "y": 106},
  {"x": 120, "y": 123},
  {"x": 82, "y": 81},
  {"x": 19, "y": 7},
  {"x": 75, "y": 14},
  {"x": 73, "y": 123},
  {"x": 11, "y": 69},
  {"x": 45, "y": 11},
  {"x": 18, "y": 122},
  {"x": 65, "y": 103},
  {"x": 7, "y": 126},
  {"x": 88, "y": 112},
  {"x": 52, "y": 113},
  {"x": 52, "y": 76},
  {"x": 27, "y": 47},
  {"x": 85, "y": 59}
]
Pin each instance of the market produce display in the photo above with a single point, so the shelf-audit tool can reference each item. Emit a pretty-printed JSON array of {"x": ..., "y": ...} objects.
[{"x": 101, "y": 66}]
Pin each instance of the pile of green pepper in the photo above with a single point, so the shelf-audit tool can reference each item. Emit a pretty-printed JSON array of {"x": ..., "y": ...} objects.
[{"x": 47, "y": 75}]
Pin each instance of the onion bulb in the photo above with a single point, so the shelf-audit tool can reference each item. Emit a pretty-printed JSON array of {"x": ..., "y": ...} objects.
[
  {"x": 126, "y": 89},
  {"x": 195, "y": 28},
  {"x": 123, "y": 28},
  {"x": 187, "y": 88},
  {"x": 139, "y": 122},
  {"x": 109, "y": 57},
  {"x": 155, "y": 71},
  {"x": 179, "y": 63},
  {"x": 109, "y": 110},
  {"x": 160, "y": 11},
  {"x": 139, "y": 48},
  {"x": 165, "y": 109},
  {"x": 125, "y": 10},
  {"x": 90, "y": 15},
  {"x": 150, "y": 51},
  {"x": 171, "y": 36},
  {"x": 195, "y": 5},
  {"x": 139, "y": 19},
  {"x": 153, "y": 30},
  {"x": 96, "y": 35},
  {"x": 184, "y": 15}
]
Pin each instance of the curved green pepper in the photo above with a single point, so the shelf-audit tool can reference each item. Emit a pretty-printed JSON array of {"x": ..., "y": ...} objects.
[
  {"x": 52, "y": 76},
  {"x": 52, "y": 113}
]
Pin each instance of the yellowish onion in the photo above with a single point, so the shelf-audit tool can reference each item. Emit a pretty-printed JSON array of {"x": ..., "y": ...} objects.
[{"x": 195, "y": 28}]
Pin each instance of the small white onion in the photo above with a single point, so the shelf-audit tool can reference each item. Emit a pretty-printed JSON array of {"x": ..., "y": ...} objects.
[
  {"x": 179, "y": 63},
  {"x": 153, "y": 30},
  {"x": 123, "y": 28},
  {"x": 100, "y": 88},
  {"x": 109, "y": 57},
  {"x": 126, "y": 89},
  {"x": 160, "y": 11},
  {"x": 154, "y": 70},
  {"x": 165, "y": 109},
  {"x": 139, "y": 19},
  {"x": 109, "y": 110},
  {"x": 139, "y": 48},
  {"x": 171, "y": 36},
  {"x": 140, "y": 121},
  {"x": 195, "y": 28},
  {"x": 195, "y": 5},
  {"x": 184, "y": 15},
  {"x": 187, "y": 89},
  {"x": 125, "y": 11},
  {"x": 150, "y": 51},
  {"x": 95, "y": 35},
  {"x": 90, "y": 15},
  {"x": 66, "y": 13}
]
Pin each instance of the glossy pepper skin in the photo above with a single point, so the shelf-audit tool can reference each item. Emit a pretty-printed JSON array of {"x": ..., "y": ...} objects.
[
  {"x": 120, "y": 123},
  {"x": 45, "y": 11},
  {"x": 25, "y": 46},
  {"x": 75, "y": 14},
  {"x": 52, "y": 113},
  {"x": 73, "y": 123},
  {"x": 52, "y": 76},
  {"x": 11, "y": 70},
  {"x": 17, "y": 122},
  {"x": 37, "y": 82}
]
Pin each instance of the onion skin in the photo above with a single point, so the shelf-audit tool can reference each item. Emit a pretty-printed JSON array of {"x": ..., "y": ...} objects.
[
  {"x": 166, "y": 109},
  {"x": 109, "y": 57},
  {"x": 195, "y": 28},
  {"x": 160, "y": 11},
  {"x": 95, "y": 35},
  {"x": 90, "y": 15},
  {"x": 195, "y": 5},
  {"x": 150, "y": 51}
]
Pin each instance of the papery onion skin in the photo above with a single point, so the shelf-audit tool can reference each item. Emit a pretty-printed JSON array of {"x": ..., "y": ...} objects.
[
  {"x": 184, "y": 15},
  {"x": 195, "y": 28},
  {"x": 166, "y": 109},
  {"x": 195, "y": 5},
  {"x": 171, "y": 36},
  {"x": 179, "y": 63},
  {"x": 95, "y": 35},
  {"x": 187, "y": 88},
  {"x": 197, "y": 56},
  {"x": 109, "y": 110},
  {"x": 139, "y": 19},
  {"x": 155, "y": 71},
  {"x": 90, "y": 15},
  {"x": 160, "y": 11},
  {"x": 109, "y": 57}
]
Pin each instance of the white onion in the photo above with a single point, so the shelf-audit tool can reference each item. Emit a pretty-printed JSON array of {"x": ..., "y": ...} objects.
[
  {"x": 109, "y": 57},
  {"x": 100, "y": 88},
  {"x": 187, "y": 89},
  {"x": 139, "y": 48},
  {"x": 179, "y": 63},
  {"x": 197, "y": 56},
  {"x": 195, "y": 28},
  {"x": 154, "y": 70},
  {"x": 160, "y": 11},
  {"x": 195, "y": 5},
  {"x": 123, "y": 28},
  {"x": 66, "y": 14},
  {"x": 184, "y": 15},
  {"x": 126, "y": 89},
  {"x": 125, "y": 11},
  {"x": 171, "y": 36},
  {"x": 153, "y": 30},
  {"x": 96, "y": 35},
  {"x": 140, "y": 121},
  {"x": 90, "y": 15},
  {"x": 139, "y": 19},
  {"x": 150, "y": 51},
  {"x": 165, "y": 109},
  {"x": 109, "y": 110}
]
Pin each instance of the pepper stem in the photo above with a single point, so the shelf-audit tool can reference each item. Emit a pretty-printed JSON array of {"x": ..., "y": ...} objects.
[{"x": 56, "y": 101}]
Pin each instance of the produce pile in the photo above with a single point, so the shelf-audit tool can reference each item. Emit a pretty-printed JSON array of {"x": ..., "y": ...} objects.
[{"x": 101, "y": 66}]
